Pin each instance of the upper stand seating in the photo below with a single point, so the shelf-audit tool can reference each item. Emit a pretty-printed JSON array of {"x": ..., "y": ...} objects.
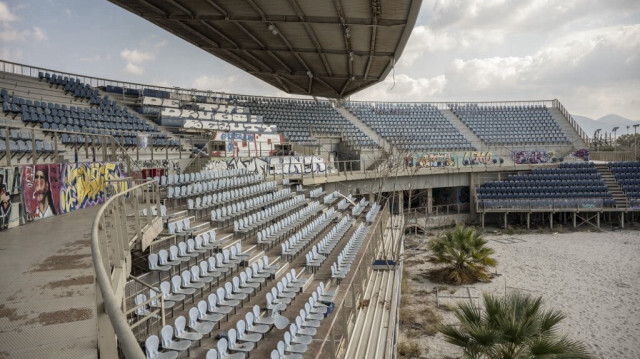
[
  {"x": 297, "y": 119},
  {"x": 628, "y": 176},
  {"x": 411, "y": 126},
  {"x": 571, "y": 186},
  {"x": 511, "y": 124}
]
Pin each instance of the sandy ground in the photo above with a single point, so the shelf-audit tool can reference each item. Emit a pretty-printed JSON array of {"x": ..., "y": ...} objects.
[{"x": 594, "y": 278}]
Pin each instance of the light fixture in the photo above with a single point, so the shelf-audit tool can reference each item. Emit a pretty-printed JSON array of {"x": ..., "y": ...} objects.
[
  {"x": 310, "y": 74},
  {"x": 351, "y": 56},
  {"x": 347, "y": 32},
  {"x": 273, "y": 29}
]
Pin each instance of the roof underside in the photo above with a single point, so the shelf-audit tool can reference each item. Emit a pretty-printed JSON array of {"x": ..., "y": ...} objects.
[{"x": 329, "y": 48}]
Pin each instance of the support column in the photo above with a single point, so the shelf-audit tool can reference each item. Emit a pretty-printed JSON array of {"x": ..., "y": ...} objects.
[
  {"x": 429, "y": 200},
  {"x": 472, "y": 193},
  {"x": 528, "y": 220},
  {"x": 505, "y": 219},
  {"x": 551, "y": 220},
  {"x": 621, "y": 220},
  {"x": 482, "y": 219},
  {"x": 598, "y": 220},
  {"x": 574, "y": 219}
]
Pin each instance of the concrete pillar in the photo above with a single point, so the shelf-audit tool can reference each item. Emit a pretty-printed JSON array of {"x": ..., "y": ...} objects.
[
  {"x": 574, "y": 219},
  {"x": 621, "y": 220},
  {"x": 598, "y": 219},
  {"x": 528, "y": 220},
  {"x": 429, "y": 200},
  {"x": 551, "y": 220},
  {"x": 505, "y": 219},
  {"x": 472, "y": 194}
]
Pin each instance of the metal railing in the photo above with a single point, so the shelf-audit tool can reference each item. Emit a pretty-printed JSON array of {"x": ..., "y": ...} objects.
[
  {"x": 111, "y": 242},
  {"x": 344, "y": 315},
  {"x": 548, "y": 204}
]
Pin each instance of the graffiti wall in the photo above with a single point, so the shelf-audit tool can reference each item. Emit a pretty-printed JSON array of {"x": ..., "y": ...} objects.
[
  {"x": 425, "y": 160},
  {"x": 288, "y": 165},
  {"x": 531, "y": 156},
  {"x": 293, "y": 165},
  {"x": 29, "y": 193},
  {"x": 87, "y": 184},
  {"x": 10, "y": 187},
  {"x": 40, "y": 191},
  {"x": 446, "y": 159}
]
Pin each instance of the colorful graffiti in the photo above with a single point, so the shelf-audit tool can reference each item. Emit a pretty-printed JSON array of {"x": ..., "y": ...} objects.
[
  {"x": 40, "y": 191},
  {"x": 477, "y": 157},
  {"x": 88, "y": 184},
  {"x": 582, "y": 153},
  {"x": 29, "y": 193},
  {"x": 10, "y": 184},
  {"x": 426, "y": 160},
  {"x": 531, "y": 156}
]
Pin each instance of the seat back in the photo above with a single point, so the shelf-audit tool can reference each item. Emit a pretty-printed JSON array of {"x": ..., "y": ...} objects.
[
  {"x": 167, "y": 335},
  {"x": 151, "y": 346}
]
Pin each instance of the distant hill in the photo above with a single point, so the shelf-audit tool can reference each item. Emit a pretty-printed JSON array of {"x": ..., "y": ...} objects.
[{"x": 606, "y": 124}]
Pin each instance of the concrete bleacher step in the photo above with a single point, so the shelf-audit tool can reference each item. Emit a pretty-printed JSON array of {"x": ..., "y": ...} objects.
[
  {"x": 613, "y": 185},
  {"x": 575, "y": 139},
  {"x": 464, "y": 130},
  {"x": 384, "y": 144}
]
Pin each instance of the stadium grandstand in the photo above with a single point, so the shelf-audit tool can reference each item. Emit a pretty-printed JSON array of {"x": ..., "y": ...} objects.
[{"x": 235, "y": 226}]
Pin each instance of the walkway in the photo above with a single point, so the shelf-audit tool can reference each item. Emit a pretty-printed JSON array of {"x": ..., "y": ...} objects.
[{"x": 47, "y": 290}]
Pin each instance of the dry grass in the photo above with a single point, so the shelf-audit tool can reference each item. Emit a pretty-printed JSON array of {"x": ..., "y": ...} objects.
[{"x": 409, "y": 349}]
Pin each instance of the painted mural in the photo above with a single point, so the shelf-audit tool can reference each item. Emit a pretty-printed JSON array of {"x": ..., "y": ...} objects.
[
  {"x": 531, "y": 156},
  {"x": 426, "y": 160},
  {"x": 447, "y": 159},
  {"x": 40, "y": 191},
  {"x": 10, "y": 185},
  {"x": 30, "y": 193},
  {"x": 87, "y": 184}
]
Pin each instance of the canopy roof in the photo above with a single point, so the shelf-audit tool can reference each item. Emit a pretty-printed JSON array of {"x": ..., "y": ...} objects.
[{"x": 329, "y": 48}]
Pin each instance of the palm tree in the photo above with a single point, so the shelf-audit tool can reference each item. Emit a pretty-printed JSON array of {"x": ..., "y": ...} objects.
[
  {"x": 466, "y": 257},
  {"x": 511, "y": 327}
]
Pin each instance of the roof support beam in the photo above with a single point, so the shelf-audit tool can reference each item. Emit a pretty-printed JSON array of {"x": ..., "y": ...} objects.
[
  {"x": 347, "y": 40},
  {"x": 308, "y": 50},
  {"x": 375, "y": 11},
  {"x": 262, "y": 47},
  {"x": 312, "y": 35},
  {"x": 313, "y": 20}
]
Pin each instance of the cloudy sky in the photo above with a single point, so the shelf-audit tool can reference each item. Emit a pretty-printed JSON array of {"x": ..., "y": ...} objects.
[{"x": 586, "y": 53}]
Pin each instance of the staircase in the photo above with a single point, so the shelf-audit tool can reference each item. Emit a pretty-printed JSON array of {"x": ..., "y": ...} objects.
[
  {"x": 384, "y": 144},
  {"x": 611, "y": 183},
  {"x": 567, "y": 128},
  {"x": 464, "y": 130}
]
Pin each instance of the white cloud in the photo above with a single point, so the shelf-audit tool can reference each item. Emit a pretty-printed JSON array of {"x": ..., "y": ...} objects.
[
  {"x": 11, "y": 54},
  {"x": 39, "y": 34},
  {"x": 133, "y": 69},
  {"x": 214, "y": 83},
  {"x": 6, "y": 15},
  {"x": 161, "y": 44},
  {"x": 135, "y": 59},
  {"x": 404, "y": 88}
]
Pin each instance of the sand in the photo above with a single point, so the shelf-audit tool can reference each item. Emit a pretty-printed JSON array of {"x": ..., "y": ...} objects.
[{"x": 594, "y": 278}]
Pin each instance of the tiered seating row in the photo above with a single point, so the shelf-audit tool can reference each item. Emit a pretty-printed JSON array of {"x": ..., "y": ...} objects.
[
  {"x": 411, "y": 126},
  {"x": 511, "y": 124},
  {"x": 570, "y": 186}
]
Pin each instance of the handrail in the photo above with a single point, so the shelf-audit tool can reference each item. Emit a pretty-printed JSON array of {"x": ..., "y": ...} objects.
[{"x": 117, "y": 258}]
